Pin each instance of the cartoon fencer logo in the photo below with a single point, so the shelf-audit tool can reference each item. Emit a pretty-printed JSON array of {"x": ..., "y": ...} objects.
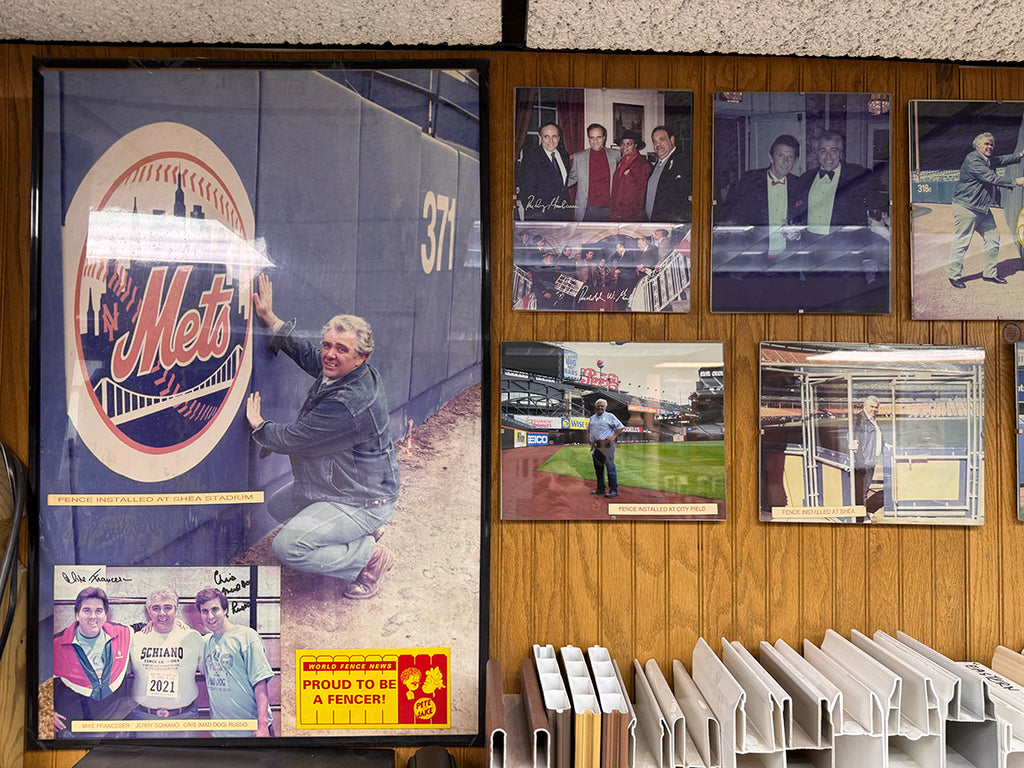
[{"x": 158, "y": 265}]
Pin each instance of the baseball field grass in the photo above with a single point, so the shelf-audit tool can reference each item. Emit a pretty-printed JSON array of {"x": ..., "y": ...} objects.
[{"x": 691, "y": 469}]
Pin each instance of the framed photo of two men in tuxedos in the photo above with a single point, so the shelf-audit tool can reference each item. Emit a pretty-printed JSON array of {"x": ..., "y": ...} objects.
[{"x": 801, "y": 203}]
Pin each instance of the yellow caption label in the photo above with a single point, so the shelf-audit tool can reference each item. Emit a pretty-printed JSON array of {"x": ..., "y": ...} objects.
[
  {"x": 680, "y": 510},
  {"x": 151, "y": 499},
  {"x": 817, "y": 513}
]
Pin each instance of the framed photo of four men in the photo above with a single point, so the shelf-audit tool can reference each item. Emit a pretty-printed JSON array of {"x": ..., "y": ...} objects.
[{"x": 602, "y": 207}]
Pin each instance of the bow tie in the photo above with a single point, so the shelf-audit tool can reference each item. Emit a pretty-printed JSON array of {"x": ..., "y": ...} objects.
[
  {"x": 822, "y": 174},
  {"x": 775, "y": 182}
]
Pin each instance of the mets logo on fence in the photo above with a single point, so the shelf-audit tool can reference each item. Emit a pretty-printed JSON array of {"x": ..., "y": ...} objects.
[{"x": 158, "y": 266}]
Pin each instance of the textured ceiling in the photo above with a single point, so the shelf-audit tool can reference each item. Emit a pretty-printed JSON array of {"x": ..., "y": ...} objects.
[
  {"x": 960, "y": 30},
  {"x": 256, "y": 22}
]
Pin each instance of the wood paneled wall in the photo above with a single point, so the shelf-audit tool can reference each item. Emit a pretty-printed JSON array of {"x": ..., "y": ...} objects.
[{"x": 650, "y": 589}]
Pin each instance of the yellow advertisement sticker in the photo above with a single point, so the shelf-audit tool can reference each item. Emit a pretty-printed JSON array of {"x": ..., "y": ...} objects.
[{"x": 375, "y": 688}]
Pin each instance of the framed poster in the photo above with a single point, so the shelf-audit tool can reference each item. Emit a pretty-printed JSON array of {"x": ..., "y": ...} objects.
[
  {"x": 601, "y": 217},
  {"x": 801, "y": 215},
  {"x": 857, "y": 433},
  {"x": 966, "y": 192},
  {"x": 612, "y": 431},
  {"x": 259, "y": 312}
]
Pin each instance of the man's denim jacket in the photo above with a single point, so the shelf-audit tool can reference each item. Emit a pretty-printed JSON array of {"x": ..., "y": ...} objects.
[{"x": 340, "y": 444}]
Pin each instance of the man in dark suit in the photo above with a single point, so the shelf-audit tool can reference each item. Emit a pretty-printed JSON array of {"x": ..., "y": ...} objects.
[
  {"x": 661, "y": 244},
  {"x": 846, "y": 263},
  {"x": 837, "y": 194},
  {"x": 752, "y": 240},
  {"x": 866, "y": 444},
  {"x": 542, "y": 176},
  {"x": 668, "y": 188},
  {"x": 765, "y": 199}
]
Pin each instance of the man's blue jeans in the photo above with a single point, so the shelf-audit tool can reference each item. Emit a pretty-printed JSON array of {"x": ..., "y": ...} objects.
[{"x": 325, "y": 537}]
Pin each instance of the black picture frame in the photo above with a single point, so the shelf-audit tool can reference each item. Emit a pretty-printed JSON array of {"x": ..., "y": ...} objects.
[
  {"x": 359, "y": 186},
  {"x": 626, "y": 117}
]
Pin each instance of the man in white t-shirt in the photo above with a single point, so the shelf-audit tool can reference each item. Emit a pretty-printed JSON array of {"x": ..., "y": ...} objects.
[{"x": 165, "y": 655}]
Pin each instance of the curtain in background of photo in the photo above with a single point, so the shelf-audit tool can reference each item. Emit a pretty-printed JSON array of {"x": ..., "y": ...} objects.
[
  {"x": 525, "y": 98},
  {"x": 569, "y": 103}
]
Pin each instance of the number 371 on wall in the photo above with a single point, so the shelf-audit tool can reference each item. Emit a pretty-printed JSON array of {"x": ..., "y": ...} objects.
[{"x": 439, "y": 213}]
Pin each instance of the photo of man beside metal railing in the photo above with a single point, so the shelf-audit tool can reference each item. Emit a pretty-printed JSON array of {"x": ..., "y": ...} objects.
[{"x": 872, "y": 434}]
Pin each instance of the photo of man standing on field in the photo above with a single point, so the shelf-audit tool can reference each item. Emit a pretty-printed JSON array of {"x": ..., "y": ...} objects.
[{"x": 645, "y": 420}]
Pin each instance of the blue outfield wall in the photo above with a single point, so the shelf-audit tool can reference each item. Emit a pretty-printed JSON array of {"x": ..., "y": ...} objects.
[{"x": 352, "y": 204}]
